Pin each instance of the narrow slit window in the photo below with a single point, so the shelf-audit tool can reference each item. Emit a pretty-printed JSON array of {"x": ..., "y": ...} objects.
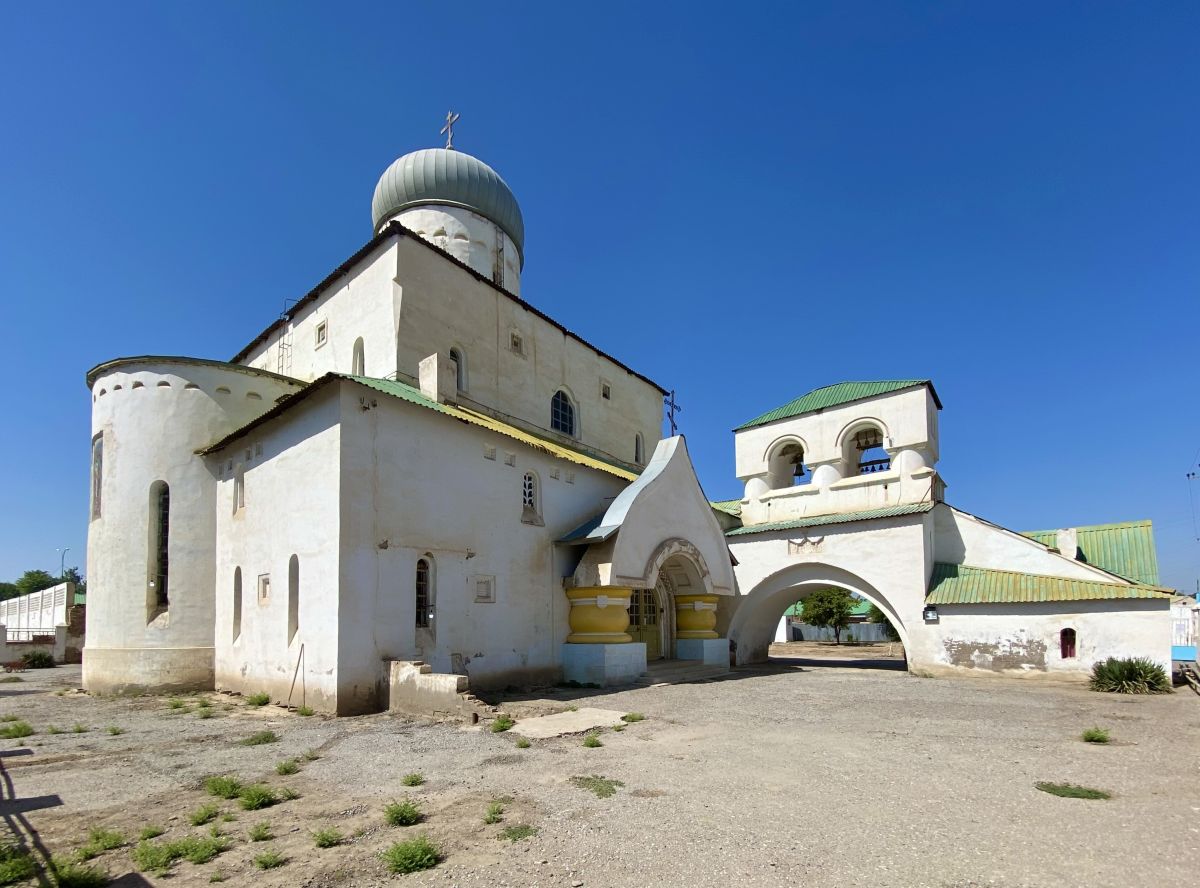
[
  {"x": 424, "y": 597},
  {"x": 237, "y": 603},
  {"x": 160, "y": 532},
  {"x": 97, "y": 473},
  {"x": 1066, "y": 643}
]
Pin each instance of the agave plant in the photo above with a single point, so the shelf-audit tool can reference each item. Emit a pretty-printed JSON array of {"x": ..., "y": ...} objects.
[{"x": 1130, "y": 675}]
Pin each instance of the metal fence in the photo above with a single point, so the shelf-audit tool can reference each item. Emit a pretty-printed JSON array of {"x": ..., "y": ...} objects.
[{"x": 860, "y": 631}]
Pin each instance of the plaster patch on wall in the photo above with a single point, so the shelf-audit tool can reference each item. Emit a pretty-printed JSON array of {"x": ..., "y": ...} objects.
[{"x": 1011, "y": 653}]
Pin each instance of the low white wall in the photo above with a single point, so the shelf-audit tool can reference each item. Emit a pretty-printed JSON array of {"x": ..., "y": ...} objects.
[{"x": 43, "y": 610}]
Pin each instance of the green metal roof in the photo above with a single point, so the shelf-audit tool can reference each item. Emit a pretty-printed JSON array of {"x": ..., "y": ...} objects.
[
  {"x": 729, "y": 507},
  {"x": 959, "y": 584},
  {"x": 840, "y": 518},
  {"x": 1125, "y": 549},
  {"x": 834, "y": 395},
  {"x": 862, "y": 608}
]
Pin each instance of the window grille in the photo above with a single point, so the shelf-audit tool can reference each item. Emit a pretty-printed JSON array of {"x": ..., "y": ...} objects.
[{"x": 562, "y": 414}]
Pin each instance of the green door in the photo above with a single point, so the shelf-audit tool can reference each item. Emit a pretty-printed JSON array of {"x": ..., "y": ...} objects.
[{"x": 643, "y": 621}]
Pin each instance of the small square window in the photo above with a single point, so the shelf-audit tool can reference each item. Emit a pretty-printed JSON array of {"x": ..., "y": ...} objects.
[
  {"x": 489, "y": 452},
  {"x": 485, "y": 590},
  {"x": 264, "y": 588},
  {"x": 516, "y": 343},
  {"x": 322, "y": 333},
  {"x": 606, "y": 391}
]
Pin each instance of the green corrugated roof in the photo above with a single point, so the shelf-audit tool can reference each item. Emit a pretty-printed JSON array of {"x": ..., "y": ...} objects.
[
  {"x": 729, "y": 507},
  {"x": 1125, "y": 549},
  {"x": 959, "y": 584},
  {"x": 840, "y": 518},
  {"x": 862, "y": 608},
  {"x": 833, "y": 395}
]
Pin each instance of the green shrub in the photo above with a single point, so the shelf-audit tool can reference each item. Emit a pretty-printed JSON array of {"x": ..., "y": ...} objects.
[
  {"x": 54, "y": 729},
  {"x": 37, "y": 660},
  {"x": 404, "y": 813},
  {"x": 201, "y": 850},
  {"x": 204, "y": 814},
  {"x": 1095, "y": 735},
  {"x": 591, "y": 741},
  {"x": 502, "y": 723},
  {"x": 412, "y": 856},
  {"x": 286, "y": 767},
  {"x": 114, "y": 731},
  {"x": 259, "y": 738},
  {"x": 305, "y": 711},
  {"x": 259, "y": 699},
  {"x": 150, "y": 832},
  {"x": 99, "y": 841},
  {"x": 495, "y": 813},
  {"x": 327, "y": 838},
  {"x": 1130, "y": 675},
  {"x": 223, "y": 787},
  {"x": 253, "y": 798},
  {"x": 1072, "y": 791},
  {"x": 632, "y": 717},
  {"x": 603, "y": 787},
  {"x": 310, "y": 755},
  {"x": 261, "y": 832},
  {"x": 518, "y": 832},
  {"x": 153, "y": 857},
  {"x": 176, "y": 703},
  {"x": 80, "y": 729},
  {"x": 204, "y": 713},
  {"x": 269, "y": 860},
  {"x": 9, "y": 717},
  {"x": 11, "y": 679},
  {"x": 15, "y": 729},
  {"x": 16, "y": 864},
  {"x": 413, "y": 779},
  {"x": 523, "y": 743},
  {"x": 72, "y": 874},
  {"x": 287, "y": 794}
]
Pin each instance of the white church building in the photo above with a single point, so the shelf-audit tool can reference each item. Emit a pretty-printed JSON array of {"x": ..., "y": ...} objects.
[{"x": 414, "y": 476}]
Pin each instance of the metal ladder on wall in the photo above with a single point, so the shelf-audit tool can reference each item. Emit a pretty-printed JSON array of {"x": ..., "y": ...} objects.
[{"x": 283, "y": 354}]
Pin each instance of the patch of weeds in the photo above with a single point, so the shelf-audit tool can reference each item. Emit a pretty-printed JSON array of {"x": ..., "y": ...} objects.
[
  {"x": 79, "y": 729},
  {"x": 495, "y": 813},
  {"x": 99, "y": 841},
  {"x": 114, "y": 731},
  {"x": 223, "y": 787},
  {"x": 1072, "y": 791},
  {"x": 305, "y": 711},
  {"x": 287, "y": 794},
  {"x": 591, "y": 741},
  {"x": 201, "y": 850},
  {"x": 217, "y": 876},
  {"x": 71, "y": 874},
  {"x": 9, "y": 717},
  {"x": 259, "y": 738},
  {"x": 16, "y": 864},
  {"x": 413, "y": 779},
  {"x": 311, "y": 755},
  {"x": 502, "y": 723},
  {"x": 204, "y": 703},
  {"x": 286, "y": 767},
  {"x": 269, "y": 860},
  {"x": 261, "y": 832},
  {"x": 572, "y": 708},
  {"x": 38, "y": 660},
  {"x": 204, "y": 814},
  {"x": 327, "y": 838},
  {"x": 158, "y": 857},
  {"x": 518, "y": 832},
  {"x": 204, "y": 713},
  {"x": 15, "y": 729},
  {"x": 603, "y": 787},
  {"x": 228, "y": 818},
  {"x": 523, "y": 743},
  {"x": 404, "y": 813},
  {"x": 412, "y": 856},
  {"x": 53, "y": 729},
  {"x": 259, "y": 699},
  {"x": 1095, "y": 735},
  {"x": 150, "y": 832},
  {"x": 618, "y": 728},
  {"x": 62, "y": 692},
  {"x": 11, "y": 679},
  {"x": 154, "y": 857},
  {"x": 176, "y": 703},
  {"x": 631, "y": 717},
  {"x": 253, "y": 798}
]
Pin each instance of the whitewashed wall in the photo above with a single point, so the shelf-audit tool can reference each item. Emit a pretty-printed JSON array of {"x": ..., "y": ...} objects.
[{"x": 26, "y": 614}]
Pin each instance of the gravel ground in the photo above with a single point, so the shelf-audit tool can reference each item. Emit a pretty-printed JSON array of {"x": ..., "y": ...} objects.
[{"x": 832, "y": 776}]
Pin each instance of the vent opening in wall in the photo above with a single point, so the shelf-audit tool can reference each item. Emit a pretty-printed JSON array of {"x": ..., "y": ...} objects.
[
  {"x": 485, "y": 589},
  {"x": 606, "y": 391},
  {"x": 264, "y": 588},
  {"x": 321, "y": 334},
  {"x": 516, "y": 343}
]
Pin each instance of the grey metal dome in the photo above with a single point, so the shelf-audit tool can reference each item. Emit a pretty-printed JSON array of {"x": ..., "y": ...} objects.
[{"x": 446, "y": 176}]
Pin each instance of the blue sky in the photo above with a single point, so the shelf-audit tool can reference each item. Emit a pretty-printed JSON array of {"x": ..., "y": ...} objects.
[{"x": 742, "y": 201}]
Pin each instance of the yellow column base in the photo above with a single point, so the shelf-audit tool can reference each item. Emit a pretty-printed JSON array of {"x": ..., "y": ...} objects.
[
  {"x": 695, "y": 616},
  {"x": 599, "y": 615}
]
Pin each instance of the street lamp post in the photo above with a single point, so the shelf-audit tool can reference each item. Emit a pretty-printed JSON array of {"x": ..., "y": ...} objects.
[{"x": 62, "y": 561}]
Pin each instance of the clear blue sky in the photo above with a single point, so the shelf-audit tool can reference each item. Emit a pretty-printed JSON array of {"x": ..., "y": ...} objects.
[{"x": 744, "y": 202}]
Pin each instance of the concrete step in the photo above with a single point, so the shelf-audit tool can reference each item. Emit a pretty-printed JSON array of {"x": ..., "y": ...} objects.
[{"x": 680, "y": 672}]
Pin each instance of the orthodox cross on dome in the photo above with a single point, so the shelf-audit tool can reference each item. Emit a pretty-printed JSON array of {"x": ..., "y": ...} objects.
[
  {"x": 672, "y": 409},
  {"x": 448, "y": 129}
]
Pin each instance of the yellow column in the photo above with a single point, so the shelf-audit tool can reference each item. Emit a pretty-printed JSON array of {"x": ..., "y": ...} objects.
[
  {"x": 599, "y": 615},
  {"x": 695, "y": 616}
]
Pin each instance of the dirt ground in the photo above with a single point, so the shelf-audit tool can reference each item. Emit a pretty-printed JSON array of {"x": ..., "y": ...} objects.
[{"x": 780, "y": 775}]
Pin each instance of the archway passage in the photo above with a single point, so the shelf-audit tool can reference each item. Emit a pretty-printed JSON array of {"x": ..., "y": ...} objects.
[
  {"x": 756, "y": 621},
  {"x": 808, "y": 637}
]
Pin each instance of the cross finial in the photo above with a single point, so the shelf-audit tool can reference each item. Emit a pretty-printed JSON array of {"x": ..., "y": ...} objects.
[
  {"x": 448, "y": 129},
  {"x": 673, "y": 409}
]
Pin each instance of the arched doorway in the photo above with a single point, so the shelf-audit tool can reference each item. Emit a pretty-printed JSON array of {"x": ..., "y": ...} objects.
[{"x": 756, "y": 619}]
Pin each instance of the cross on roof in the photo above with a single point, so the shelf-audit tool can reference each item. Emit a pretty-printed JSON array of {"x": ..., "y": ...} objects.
[{"x": 448, "y": 129}]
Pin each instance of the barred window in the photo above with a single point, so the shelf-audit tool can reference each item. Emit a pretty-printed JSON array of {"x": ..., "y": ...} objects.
[{"x": 423, "y": 597}]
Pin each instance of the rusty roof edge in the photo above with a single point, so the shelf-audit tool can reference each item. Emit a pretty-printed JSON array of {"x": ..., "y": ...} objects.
[{"x": 394, "y": 228}]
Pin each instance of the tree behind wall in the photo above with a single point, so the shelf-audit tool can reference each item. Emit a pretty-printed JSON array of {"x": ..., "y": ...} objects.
[
  {"x": 34, "y": 581},
  {"x": 875, "y": 615},
  {"x": 828, "y": 609}
]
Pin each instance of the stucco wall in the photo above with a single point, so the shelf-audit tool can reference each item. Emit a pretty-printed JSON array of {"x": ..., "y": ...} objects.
[
  {"x": 291, "y": 507},
  {"x": 416, "y": 482}
]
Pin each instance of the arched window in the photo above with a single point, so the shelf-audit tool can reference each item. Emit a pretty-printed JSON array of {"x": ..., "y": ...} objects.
[
  {"x": 239, "y": 488},
  {"x": 359, "y": 361},
  {"x": 460, "y": 369},
  {"x": 1066, "y": 643},
  {"x": 639, "y": 455},
  {"x": 867, "y": 450},
  {"x": 97, "y": 472},
  {"x": 786, "y": 466},
  {"x": 424, "y": 592},
  {"x": 531, "y": 507},
  {"x": 562, "y": 413},
  {"x": 237, "y": 602},
  {"x": 160, "y": 531},
  {"x": 293, "y": 597}
]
